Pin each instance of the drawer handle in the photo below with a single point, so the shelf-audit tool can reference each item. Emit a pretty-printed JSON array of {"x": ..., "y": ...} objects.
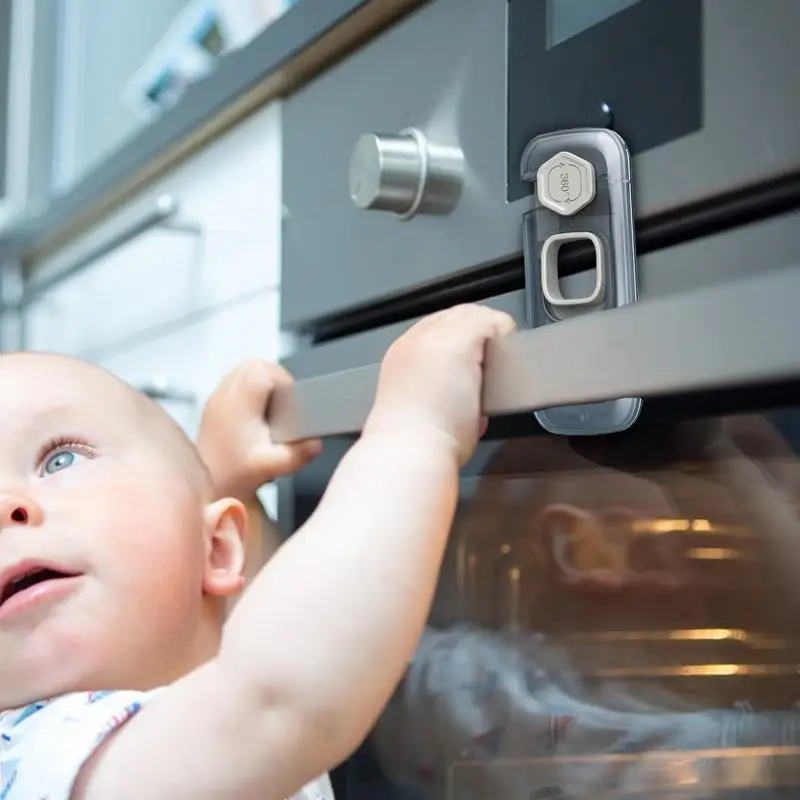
[
  {"x": 656, "y": 347},
  {"x": 159, "y": 390},
  {"x": 164, "y": 210},
  {"x": 405, "y": 173}
]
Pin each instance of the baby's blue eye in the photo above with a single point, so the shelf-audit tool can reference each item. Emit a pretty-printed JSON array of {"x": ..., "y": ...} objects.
[{"x": 60, "y": 461}]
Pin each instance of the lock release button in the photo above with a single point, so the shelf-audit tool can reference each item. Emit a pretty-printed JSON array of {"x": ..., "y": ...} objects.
[{"x": 565, "y": 183}]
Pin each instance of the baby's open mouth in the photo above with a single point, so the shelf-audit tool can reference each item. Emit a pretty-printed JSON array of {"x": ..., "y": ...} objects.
[{"x": 30, "y": 578}]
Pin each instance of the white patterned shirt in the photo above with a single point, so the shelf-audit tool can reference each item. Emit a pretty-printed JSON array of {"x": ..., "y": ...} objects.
[{"x": 44, "y": 745}]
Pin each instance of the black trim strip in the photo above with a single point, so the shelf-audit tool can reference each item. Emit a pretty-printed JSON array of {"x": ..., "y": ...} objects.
[{"x": 714, "y": 215}]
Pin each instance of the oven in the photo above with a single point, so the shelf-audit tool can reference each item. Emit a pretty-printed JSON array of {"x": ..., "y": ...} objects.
[
  {"x": 617, "y": 615},
  {"x": 618, "y": 612}
]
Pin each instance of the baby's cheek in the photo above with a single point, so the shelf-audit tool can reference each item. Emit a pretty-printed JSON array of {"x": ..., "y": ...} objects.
[
  {"x": 150, "y": 551},
  {"x": 161, "y": 572},
  {"x": 153, "y": 531}
]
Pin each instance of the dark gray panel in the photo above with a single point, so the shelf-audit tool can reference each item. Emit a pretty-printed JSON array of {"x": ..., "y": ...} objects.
[
  {"x": 443, "y": 69},
  {"x": 644, "y": 60},
  {"x": 568, "y": 18},
  {"x": 622, "y": 352}
]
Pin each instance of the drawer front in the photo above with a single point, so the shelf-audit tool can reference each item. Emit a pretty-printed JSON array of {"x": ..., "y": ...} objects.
[
  {"x": 138, "y": 285},
  {"x": 221, "y": 243},
  {"x": 152, "y": 279},
  {"x": 192, "y": 359},
  {"x": 723, "y": 73}
]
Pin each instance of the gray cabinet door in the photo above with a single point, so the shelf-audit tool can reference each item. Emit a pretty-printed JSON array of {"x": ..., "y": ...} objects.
[
  {"x": 101, "y": 46},
  {"x": 702, "y": 90}
]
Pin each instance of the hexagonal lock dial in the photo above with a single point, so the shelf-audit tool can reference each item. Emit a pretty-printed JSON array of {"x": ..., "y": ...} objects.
[{"x": 565, "y": 183}]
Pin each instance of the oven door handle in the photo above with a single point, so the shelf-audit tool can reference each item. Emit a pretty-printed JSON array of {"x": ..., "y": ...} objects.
[{"x": 725, "y": 336}]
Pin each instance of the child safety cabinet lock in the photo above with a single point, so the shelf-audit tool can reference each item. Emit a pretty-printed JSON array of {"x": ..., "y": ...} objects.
[{"x": 583, "y": 208}]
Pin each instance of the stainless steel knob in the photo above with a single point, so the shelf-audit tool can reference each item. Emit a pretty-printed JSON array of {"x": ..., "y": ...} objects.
[{"x": 405, "y": 173}]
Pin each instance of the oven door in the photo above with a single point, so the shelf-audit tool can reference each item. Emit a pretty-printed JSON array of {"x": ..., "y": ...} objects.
[{"x": 616, "y": 616}]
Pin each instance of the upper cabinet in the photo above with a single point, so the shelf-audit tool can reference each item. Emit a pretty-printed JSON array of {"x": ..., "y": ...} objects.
[
  {"x": 99, "y": 98},
  {"x": 101, "y": 46},
  {"x": 5, "y": 65},
  {"x": 64, "y": 66},
  {"x": 24, "y": 103}
]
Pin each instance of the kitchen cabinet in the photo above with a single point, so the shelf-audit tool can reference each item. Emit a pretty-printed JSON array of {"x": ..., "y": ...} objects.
[
  {"x": 101, "y": 45},
  {"x": 63, "y": 68},
  {"x": 205, "y": 236},
  {"x": 27, "y": 62}
]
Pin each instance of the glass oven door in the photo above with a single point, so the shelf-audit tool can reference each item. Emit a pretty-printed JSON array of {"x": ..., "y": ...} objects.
[{"x": 616, "y": 616}]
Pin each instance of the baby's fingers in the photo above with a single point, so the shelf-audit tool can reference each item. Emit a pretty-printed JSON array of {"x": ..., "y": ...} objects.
[
  {"x": 255, "y": 382},
  {"x": 283, "y": 459}
]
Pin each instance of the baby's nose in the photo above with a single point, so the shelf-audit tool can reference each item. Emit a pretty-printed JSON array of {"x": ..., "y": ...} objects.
[{"x": 17, "y": 509}]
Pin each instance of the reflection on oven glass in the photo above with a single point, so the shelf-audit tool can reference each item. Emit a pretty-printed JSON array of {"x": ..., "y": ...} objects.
[
  {"x": 616, "y": 616},
  {"x": 568, "y": 18}
]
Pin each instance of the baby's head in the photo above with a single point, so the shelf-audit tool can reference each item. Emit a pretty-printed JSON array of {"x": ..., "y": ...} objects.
[{"x": 101, "y": 488}]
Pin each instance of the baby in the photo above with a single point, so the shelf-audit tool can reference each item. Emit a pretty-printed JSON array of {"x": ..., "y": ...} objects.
[{"x": 120, "y": 553}]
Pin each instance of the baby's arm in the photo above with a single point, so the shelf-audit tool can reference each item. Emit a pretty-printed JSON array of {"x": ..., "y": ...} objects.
[{"x": 313, "y": 651}]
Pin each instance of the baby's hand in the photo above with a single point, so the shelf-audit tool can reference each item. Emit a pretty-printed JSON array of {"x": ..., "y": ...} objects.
[
  {"x": 431, "y": 378},
  {"x": 234, "y": 439}
]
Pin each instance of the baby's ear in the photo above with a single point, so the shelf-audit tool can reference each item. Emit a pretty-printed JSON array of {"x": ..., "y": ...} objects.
[{"x": 225, "y": 531}]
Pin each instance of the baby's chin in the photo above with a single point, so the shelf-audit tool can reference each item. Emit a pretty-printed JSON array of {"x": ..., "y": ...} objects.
[
  {"x": 19, "y": 688},
  {"x": 95, "y": 677},
  {"x": 78, "y": 662}
]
